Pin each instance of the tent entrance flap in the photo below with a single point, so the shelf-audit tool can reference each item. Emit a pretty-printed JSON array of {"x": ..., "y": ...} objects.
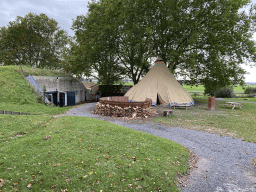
[{"x": 159, "y": 99}]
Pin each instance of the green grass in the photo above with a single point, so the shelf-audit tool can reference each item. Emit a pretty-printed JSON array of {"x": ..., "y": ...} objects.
[
  {"x": 17, "y": 94},
  {"x": 242, "y": 99},
  {"x": 85, "y": 154},
  {"x": 14, "y": 88},
  {"x": 40, "y": 72},
  {"x": 200, "y": 88},
  {"x": 130, "y": 83},
  {"x": 238, "y": 123},
  {"x": 35, "y": 108}
]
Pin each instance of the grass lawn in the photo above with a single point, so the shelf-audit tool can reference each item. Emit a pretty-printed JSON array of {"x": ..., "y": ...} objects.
[
  {"x": 200, "y": 88},
  {"x": 84, "y": 154},
  {"x": 238, "y": 123}
]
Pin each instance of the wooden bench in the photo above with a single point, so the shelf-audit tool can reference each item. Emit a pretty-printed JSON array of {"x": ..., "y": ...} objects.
[
  {"x": 175, "y": 105},
  {"x": 233, "y": 105}
]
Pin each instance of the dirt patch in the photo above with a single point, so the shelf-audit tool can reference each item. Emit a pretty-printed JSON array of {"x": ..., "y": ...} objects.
[{"x": 193, "y": 167}]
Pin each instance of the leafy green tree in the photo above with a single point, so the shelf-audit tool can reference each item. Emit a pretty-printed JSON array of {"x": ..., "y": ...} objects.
[
  {"x": 35, "y": 40},
  {"x": 199, "y": 40},
  {"x": 211, "y": 40},
  {"x": 114, "y": 46}
]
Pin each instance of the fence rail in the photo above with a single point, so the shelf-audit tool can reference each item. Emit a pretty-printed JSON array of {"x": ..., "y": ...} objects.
[{"x": 14, "y": 113}]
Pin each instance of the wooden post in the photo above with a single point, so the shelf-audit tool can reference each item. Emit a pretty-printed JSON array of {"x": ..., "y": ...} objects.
[{"x": 211, "y": 103}]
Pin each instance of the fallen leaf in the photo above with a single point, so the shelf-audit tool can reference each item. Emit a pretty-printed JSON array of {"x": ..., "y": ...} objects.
[
  {"x": 47, "y": 137},
  {"x": 110, "y": 175},
  {"x": 139, "y": 187},
  {"x": 122, "y": 180},
  {"x": 29, "y": 185},
  {"x": 53, "y": 187},
  {"x": 15, "y": 183}
]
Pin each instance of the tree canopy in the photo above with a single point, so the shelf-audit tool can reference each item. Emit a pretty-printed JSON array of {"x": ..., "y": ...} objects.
[
  {"x": 200, "y": 40},
  {"x": 34, "y": 40}
]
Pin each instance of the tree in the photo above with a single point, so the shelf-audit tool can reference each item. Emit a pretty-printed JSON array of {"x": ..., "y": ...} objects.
[
  {"x": 34, "y": 40},
  {"x": 113, "y": 46},
  {"x": 200, "y": 40}
]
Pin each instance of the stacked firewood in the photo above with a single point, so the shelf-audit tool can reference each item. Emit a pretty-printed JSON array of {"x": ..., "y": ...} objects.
[{"x": 116, "y": 111}]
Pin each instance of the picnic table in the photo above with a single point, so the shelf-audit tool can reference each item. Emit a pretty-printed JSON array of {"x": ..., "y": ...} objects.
[{"x": 233, "y": 105}]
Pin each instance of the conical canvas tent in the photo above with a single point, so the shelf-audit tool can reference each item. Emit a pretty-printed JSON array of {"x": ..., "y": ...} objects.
[{"x": 160, "y": 86}]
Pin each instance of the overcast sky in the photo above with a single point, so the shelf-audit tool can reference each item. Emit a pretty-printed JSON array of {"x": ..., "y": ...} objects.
[{"x": 63, "y": 11}]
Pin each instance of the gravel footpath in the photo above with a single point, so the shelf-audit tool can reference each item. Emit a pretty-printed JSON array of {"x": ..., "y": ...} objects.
[{"x": 224, "y": 164}]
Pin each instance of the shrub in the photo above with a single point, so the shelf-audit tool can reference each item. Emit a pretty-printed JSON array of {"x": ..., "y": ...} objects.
[
  {"x": 250, "y": 90},
  {"x": 225, "y": 92}
]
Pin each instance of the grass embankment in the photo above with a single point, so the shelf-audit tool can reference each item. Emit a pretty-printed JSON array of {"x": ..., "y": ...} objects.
[
  {"x": 40, "y": 152},
  {"x": 239, "y": 123},
  {"x": 17, "y": 94}
]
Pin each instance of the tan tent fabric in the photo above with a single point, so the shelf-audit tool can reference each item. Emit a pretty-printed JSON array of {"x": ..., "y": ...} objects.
[{"x": 159, "y": 82}]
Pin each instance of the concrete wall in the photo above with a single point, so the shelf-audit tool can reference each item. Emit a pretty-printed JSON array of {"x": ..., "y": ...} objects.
[{"x": 62, "y": 84}]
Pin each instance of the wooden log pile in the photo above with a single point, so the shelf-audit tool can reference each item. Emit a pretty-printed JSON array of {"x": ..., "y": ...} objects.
[{"x": 117, "y": 111}]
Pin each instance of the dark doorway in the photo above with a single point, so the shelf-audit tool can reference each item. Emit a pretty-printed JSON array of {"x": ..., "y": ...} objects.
[
  {"x": 157, "y": 100},
  {"x": 62, "y": 99},
  {"x": 54, "y": 96},
  {"x": 71, "y": 98}
]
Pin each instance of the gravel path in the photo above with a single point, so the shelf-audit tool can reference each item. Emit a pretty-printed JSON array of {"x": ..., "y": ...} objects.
[{"x": 224, "y": 164}]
